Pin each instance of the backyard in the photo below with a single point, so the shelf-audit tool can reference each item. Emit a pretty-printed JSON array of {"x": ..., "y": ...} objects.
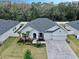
[
  {"x": 13, "y": 50},
  {"x": 74, "y": 44}
]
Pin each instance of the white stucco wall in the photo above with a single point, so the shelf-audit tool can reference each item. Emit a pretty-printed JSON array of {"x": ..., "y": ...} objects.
[
  {"x": 4, "y": 36},
  {"x": 62, "y": 22},
  {"x": 34, "y": 31},
  {"x": 10, "y": 32},
  {"x": 17, "y": 26},
  {"x": 59, "y": 34},
  {"x": 47, "y": 36},
  {"x": 78, "y": 37},
  {"x": 27, "y": 29},
  {"x": 31, "y": 31}
]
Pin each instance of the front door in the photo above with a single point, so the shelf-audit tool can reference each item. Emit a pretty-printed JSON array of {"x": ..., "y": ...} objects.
[
  {"x": 41, "y": 37},
  {"x": 34, "y": 35}
]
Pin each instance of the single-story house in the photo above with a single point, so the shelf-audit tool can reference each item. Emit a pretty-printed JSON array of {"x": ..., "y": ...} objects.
[
  {"x": 44, "y": 29},
  {"x": 73, "y": 28},
  {"x": 7, "y": 29}
]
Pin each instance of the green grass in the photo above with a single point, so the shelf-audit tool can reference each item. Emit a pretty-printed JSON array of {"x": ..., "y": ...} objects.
[
  {"x": 7, "y": 44},
  {"x": 72, "y": 38},
  {"x": 74, "y": 44},
  {"x": 12, "y": 50}
]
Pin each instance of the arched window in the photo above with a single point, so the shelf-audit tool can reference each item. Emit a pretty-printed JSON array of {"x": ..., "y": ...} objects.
[{"x": 34, "y": 35}]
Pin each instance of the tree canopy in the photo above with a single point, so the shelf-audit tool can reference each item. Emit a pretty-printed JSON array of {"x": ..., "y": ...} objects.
[{"x": 67, "y": 11}]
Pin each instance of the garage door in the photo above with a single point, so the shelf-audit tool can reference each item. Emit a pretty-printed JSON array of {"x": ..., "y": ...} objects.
[
  {"x": 47, "y": 36},
  {"x": 59, "y": 37},
  {"x": 54, "y": 37}
]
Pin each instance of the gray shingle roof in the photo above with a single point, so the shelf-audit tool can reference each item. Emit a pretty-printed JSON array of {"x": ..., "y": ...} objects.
[
  {"x": 41, "y": 24},
  {"x": 5, "y": 25},
  {"x": 74, "y": 24}
]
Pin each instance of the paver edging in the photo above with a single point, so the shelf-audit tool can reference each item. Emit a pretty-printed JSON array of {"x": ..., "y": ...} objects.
[{"x": 47, "y": 50}]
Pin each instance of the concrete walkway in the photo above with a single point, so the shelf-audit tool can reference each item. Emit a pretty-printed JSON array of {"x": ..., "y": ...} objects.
[{"x": 59, "y": 50}]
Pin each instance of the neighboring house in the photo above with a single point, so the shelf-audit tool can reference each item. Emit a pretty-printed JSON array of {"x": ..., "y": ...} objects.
[
  {"x": 73, "y": 28},
  {"x": 7, "y": 28},
  {"x": 44, "y": 29}
]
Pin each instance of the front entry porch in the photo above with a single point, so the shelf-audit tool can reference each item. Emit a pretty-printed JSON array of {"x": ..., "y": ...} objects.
[
  {"x": 36, "y": 41},
  {"x": 37, "y": 37},
  {"x": 40, "y": 37}
]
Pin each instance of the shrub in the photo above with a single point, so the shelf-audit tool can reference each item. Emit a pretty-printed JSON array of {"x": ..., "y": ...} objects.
[
  {"x": 28, "y": 55},
  {"x": 39, "y": 45}
]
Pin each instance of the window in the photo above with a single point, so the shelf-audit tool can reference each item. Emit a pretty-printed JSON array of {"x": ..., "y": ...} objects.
[{"x": 40, "y": 34}]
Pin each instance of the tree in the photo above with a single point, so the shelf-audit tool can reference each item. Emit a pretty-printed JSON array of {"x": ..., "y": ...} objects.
[
  {"x": 34, "y": 13},
  {"x": 66, "y": 11}
]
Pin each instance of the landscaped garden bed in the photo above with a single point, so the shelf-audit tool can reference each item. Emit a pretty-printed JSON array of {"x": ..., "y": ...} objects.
[
  {"x": 74, "y": 44},
  {"x": 13, "y": 50}
]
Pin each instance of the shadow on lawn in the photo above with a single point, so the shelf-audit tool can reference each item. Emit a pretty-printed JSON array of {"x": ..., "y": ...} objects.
[{"x": 38, "y": 45}]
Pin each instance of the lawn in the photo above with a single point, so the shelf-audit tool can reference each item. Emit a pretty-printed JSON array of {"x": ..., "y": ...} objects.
[
  {"x": 74, "y": 44},
  {"x": 12, "y": 50}
]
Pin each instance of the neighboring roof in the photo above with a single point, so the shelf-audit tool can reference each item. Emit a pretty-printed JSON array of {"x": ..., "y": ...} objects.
[
  {"x": 74, "y": 24},
  {"x": 5, "y": 25},
  {"x": 41, "y": 24}
]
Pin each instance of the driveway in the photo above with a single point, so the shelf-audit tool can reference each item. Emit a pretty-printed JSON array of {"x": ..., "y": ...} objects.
[{"x": 59, "y": 50}]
